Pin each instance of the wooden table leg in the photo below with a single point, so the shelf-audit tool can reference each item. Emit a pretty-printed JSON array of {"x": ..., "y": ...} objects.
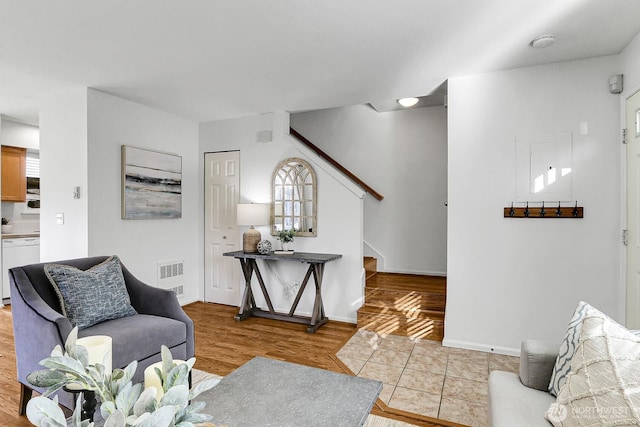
[
  {"x": 248, "y": 301},
  {"x": 301, "y": 290},
  {"x": 263, "y": 287},
  {"x": 317, "y": 315}
]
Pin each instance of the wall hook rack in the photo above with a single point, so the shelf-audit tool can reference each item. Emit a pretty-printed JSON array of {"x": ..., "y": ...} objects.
[{"x": 542, "y": 212}]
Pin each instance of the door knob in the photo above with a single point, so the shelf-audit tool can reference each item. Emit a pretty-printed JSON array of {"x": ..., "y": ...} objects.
[{"x": 224, "y": 237}]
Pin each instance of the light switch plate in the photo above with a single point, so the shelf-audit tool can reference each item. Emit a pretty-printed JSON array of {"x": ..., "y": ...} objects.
[{"x": 60, "y": 218}]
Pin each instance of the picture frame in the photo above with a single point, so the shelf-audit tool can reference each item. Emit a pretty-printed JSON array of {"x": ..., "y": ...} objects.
[{"x": 151, "y": 184}]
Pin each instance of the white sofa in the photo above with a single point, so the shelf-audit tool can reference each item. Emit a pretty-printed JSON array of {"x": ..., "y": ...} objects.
[
  {"x": 596, "y": 377},
  {"x": 522, "y": 400}
]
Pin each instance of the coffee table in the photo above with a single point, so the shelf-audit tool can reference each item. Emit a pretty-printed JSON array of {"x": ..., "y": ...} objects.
[{"x": 267, "y": 392}]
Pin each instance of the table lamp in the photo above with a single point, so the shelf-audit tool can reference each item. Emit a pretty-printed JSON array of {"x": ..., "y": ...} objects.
[{"x": 252, "y": 214}]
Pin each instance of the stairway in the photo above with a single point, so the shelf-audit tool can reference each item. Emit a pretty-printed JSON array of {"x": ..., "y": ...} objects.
[
  {"x": 404, "y": 304},
  {"x": 370, "y": 266}
]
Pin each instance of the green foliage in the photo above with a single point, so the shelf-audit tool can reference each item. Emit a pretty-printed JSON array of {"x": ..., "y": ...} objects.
[
  {"x": 122, "y": 402},
  {"x": 5, "y": 221},
  {"x": 286, "y": 236}
]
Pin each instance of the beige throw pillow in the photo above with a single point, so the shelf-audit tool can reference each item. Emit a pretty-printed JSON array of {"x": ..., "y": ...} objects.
[
  {"x": 567, "y": 349},
  {"x": 603, "y": 387}
]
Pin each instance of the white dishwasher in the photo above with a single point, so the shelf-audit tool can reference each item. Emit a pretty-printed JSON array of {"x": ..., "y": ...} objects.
[{"x": 15, "y": 253}]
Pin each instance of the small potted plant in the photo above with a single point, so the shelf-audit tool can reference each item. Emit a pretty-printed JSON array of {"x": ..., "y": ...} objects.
[
  {"x": 6, "y": 227},
  {"x": 285, "y": 237}
]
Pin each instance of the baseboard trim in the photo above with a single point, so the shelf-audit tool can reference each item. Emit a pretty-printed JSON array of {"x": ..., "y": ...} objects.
[
  {"x": 343, "y": 319},
  {"x": 418, "y": 272},
  {"x": 480, "y": 347}
]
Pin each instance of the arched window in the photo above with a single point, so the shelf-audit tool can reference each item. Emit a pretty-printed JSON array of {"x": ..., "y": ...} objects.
[{"x": 293, "y": 192}]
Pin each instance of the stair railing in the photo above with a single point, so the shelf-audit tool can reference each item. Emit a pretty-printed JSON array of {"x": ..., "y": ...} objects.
[{"x": 336, "y": 165}]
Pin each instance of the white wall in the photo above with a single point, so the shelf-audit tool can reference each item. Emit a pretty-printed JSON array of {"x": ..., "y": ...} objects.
[
  {"x": 339, "y": 216},
  {"x": 140, "y": 244},
  {"x": 511, "y": 279},
  {"x": 403, "y": 156},
  {"x": 19, "y": 134},
  {"x": 630, "y": 64},
  {"x": 81, "y": 135},
  {"x": 63, "y": 165}
]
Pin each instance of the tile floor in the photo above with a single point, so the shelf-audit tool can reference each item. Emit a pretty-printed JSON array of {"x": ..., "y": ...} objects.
[{"x": 424, "y": 377}]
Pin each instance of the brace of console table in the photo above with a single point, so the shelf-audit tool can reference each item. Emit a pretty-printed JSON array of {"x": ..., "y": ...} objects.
[{"x": 248, "y": 307}]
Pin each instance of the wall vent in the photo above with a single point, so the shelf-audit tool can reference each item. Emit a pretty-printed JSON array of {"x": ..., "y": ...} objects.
[
  {"x": 179, "y": 290},
  {"x": 171, "y": 275}
]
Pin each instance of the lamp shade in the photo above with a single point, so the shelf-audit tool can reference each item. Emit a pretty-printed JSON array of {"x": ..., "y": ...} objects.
[{"x": 252, "y": 213}]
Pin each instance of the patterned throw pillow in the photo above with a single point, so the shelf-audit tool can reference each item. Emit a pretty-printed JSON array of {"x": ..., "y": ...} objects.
[
  {"x": 91, "y": 296},
  {"x": 567, "y": 349},
  {"x": 602, "y": 387}
]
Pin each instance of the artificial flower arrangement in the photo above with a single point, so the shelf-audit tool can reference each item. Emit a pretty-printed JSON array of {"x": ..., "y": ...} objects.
[
  {"x": 122, "y": 403},
  {"x": 286, "y": 237}
]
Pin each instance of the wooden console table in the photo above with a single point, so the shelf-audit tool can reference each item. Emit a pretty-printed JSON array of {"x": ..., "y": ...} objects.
[{"x": 316, "y": 268}]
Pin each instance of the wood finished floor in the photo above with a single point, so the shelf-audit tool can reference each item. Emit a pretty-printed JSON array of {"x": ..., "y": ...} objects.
[
  {"x": 222, "y": 345},
  {"x": 404, "y": 304}
]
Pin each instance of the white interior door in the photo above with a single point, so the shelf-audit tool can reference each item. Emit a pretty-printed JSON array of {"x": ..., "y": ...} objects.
[
  {"x": 222, "y": 193},
  {"x": 633, "y": 210}
]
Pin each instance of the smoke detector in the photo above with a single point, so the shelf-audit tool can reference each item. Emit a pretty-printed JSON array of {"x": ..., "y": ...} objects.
[{"x": 543, "y": 41}]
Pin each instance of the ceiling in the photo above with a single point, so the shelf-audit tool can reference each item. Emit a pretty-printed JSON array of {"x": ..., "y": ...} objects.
[
  {"x": 436, "y": 97},
  {"x": 211, "y": 59}
]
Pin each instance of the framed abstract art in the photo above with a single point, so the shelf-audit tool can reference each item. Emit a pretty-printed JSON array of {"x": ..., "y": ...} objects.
[{"x": 151, "y": 184}]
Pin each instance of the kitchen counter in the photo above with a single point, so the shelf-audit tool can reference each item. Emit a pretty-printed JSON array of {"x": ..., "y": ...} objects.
[{"x": 19, "y": 235}]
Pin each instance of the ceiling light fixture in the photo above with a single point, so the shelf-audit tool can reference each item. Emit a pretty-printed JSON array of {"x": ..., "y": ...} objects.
[
  {"x": 543, "y": 41},
  {"x": 408, "y": 102}
]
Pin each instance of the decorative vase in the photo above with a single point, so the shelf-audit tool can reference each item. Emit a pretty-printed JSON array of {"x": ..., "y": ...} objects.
[
  {"x": 6, "y": 228},
  {"x": 286, "y": 248}
]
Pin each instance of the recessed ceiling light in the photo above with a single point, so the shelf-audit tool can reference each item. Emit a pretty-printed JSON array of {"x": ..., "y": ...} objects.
[
  {"x": 543, "y": 41},
  {"x": 408, "y": 102}
]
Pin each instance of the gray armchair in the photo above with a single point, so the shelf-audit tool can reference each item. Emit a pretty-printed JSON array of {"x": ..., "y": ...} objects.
[{"x": 38, "y": 324}]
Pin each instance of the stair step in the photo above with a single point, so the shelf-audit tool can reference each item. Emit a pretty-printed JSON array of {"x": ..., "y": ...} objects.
[
  {"x": 404, "y": 300},
  {"x": 412, "y": 313},
  {"x": 407, "y": 282},
  {"x": 423, "y": 326},
  {"x": 370, "y": 266},
  {"x": 404, "y": 304}
]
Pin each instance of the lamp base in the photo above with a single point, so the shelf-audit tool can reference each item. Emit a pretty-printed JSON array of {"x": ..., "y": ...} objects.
[{"x": 250, "y": 240}]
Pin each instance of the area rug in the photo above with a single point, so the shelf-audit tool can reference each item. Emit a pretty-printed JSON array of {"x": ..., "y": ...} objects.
[{"x": 198, "y": 376}]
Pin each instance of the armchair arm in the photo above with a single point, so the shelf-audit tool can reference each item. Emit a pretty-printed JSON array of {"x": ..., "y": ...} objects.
[
  {"x": 537, "y": 359},
  {"x": 158, "y": 302},
  {"x": 38, "y": 328}
]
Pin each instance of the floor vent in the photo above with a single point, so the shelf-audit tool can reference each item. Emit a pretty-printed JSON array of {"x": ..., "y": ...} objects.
[{"x": 170, "y": 275}]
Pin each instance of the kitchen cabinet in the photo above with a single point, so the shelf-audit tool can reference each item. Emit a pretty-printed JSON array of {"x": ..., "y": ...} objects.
[{"x": 14, "y": 174}]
